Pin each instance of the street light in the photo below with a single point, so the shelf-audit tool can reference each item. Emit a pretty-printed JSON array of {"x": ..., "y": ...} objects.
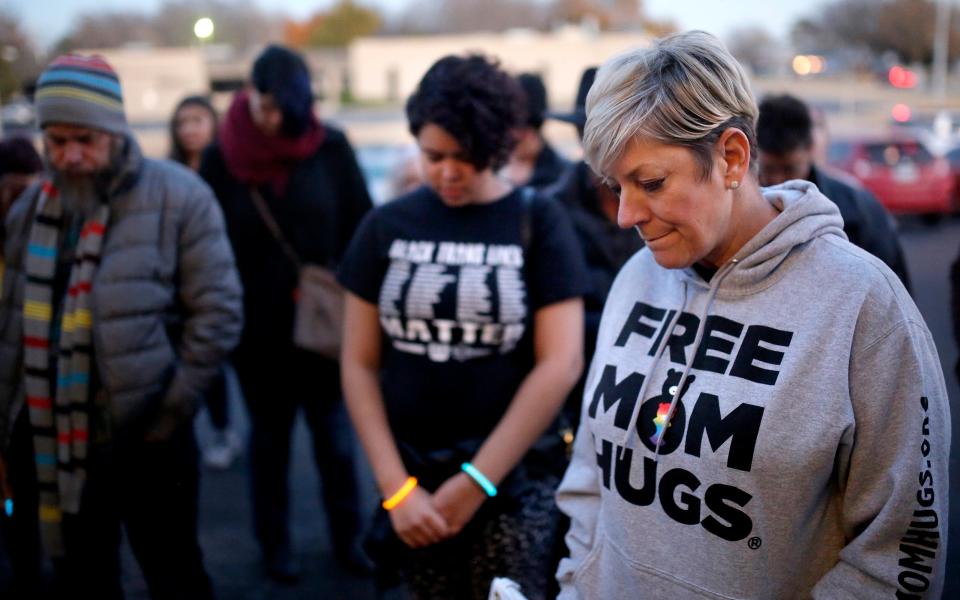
[
  {"x": 203, "y": 28},
  {"x": 808, "y": 64}
]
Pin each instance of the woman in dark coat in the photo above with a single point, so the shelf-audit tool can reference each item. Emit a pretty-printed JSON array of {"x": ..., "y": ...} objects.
[{"x": 307, "y": 175}]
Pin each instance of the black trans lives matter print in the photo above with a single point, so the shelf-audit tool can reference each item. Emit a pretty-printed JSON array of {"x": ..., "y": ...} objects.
[
  {"x": 481, "y": 287},
  {"x": 456, "y": 290}
]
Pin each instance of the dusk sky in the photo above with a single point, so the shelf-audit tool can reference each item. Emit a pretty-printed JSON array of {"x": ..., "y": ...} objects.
[{"x": 48, "y": 20}]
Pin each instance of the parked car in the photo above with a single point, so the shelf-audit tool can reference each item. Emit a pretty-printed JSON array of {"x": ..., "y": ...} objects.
[{"x": 900, "y": 171}]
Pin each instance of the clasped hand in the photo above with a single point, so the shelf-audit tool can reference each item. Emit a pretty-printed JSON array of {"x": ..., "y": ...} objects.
[{"x": 423, "y": 518}]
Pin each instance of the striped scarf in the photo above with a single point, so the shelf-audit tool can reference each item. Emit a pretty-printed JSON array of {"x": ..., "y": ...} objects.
[{"x": 59, "y": 407}]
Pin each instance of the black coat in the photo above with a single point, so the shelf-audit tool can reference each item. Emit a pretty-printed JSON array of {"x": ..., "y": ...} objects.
[
  {"x": 548, "y": 169},
  {"x": 605, "y": 246},
  {"x": 865, "y": 221},
  {"x": 325, "y": 199}
]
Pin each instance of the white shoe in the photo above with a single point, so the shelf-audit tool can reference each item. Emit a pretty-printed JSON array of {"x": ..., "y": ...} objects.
[{"x": 224, "y": 448}]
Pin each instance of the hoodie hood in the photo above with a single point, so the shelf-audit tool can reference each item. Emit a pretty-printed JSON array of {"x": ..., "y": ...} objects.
[
  {"x": 734, "y": 430},
  {"x": 805, "y": 214}
]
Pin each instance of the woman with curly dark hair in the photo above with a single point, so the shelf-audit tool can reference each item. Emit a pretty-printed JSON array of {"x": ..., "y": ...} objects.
[{"x": 464, "y": 323}]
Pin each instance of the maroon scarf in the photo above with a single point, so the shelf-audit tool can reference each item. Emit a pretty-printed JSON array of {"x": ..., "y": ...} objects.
[{"x": 258, "y": 159}]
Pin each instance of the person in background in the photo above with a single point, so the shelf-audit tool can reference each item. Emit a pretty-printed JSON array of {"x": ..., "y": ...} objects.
[
  {"x": 465, "y": 319},
  {"x": 534, "y": 161},
  {"x": 765, "y": 414},
  {"x": 820, "y": 135},
  {"x": 193, "y": 127},
  {"x": 785, "y": 138},
  {"x": 592, "y": 208},
  {"x": 20, "y": 165},
  {"x": 120, "y": 302},
  {"x": 272, "y": 149}
]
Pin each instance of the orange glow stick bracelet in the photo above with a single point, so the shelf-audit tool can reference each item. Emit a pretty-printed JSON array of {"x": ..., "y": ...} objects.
[{"x": 401, "y": 495}]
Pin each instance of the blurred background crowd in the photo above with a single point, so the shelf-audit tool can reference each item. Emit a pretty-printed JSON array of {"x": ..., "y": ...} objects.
[
  {"x": 881, "y": 79},
  {"x": 863, "y": 65}
]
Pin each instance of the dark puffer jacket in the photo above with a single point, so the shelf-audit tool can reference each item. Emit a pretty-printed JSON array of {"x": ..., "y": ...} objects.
[{"x": 166, "y": 298}]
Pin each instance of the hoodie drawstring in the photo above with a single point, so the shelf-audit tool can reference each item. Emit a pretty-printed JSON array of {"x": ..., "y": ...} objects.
[
  {"x": 714, "y": 288},
  {"x": 627, "y": 438}
]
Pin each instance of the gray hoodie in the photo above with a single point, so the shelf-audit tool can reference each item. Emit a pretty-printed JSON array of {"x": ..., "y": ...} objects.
[{"x": 808, "y": 449}]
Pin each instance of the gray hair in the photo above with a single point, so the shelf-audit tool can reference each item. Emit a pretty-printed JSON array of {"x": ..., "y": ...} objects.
[{"x": 686, "y": 90}]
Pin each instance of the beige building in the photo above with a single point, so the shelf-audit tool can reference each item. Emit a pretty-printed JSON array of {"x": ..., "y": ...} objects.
[
  {"x": 387, "y": 69},
  {"x": 155, "y": 79}
]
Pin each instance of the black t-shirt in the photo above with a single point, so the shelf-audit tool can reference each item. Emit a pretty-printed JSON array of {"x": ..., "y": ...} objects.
[{"x": 456, "y": 289}]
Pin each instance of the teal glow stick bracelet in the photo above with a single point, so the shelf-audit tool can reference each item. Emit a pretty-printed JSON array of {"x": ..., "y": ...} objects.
[{"x": 480, "y": 478}]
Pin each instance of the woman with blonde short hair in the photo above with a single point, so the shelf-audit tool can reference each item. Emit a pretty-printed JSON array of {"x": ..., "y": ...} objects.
[{"x": 765, "y": 415}]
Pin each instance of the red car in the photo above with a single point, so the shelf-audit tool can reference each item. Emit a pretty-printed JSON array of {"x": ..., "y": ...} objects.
[{"x": 900, "y": 172}]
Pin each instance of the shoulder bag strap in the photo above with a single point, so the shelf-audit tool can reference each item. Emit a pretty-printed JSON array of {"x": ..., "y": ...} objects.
[
  {"x": 274, "y": 227},
  {"x": 561, "y": 426}
]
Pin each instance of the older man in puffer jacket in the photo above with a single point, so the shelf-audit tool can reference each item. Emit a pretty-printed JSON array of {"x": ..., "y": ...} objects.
[{"x": 119, "y": 301}]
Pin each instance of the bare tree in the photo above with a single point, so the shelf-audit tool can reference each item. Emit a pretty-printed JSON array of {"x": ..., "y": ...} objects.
[
  {"x": 755, "y": 48},
  {"x": 608, "y": 14},
  {"x": 456, "y": 16},
  {"x": 18, "y": 61},
  {"x": 459, "y": 16},
  {"x": 240, "y": 24},
  {"x": 108, "y": 30},
  {"x": 907, "y": 27},
  {"x": 904, "y": 27}
]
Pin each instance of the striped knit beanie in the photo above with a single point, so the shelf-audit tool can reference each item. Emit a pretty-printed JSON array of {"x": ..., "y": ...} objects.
[{"x": 80, "y": 90}]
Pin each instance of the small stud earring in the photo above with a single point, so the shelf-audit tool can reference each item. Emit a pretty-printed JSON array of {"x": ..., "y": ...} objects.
[{"x": 734, "y": 185}]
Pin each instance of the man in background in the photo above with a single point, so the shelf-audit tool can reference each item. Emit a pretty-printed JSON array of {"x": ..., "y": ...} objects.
[
  {"x": 120, "y": 301},
  {"x": 534, "y": 162},
  {"x": 592, "y": 207},
  {"x": 785, "y": 140}
]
